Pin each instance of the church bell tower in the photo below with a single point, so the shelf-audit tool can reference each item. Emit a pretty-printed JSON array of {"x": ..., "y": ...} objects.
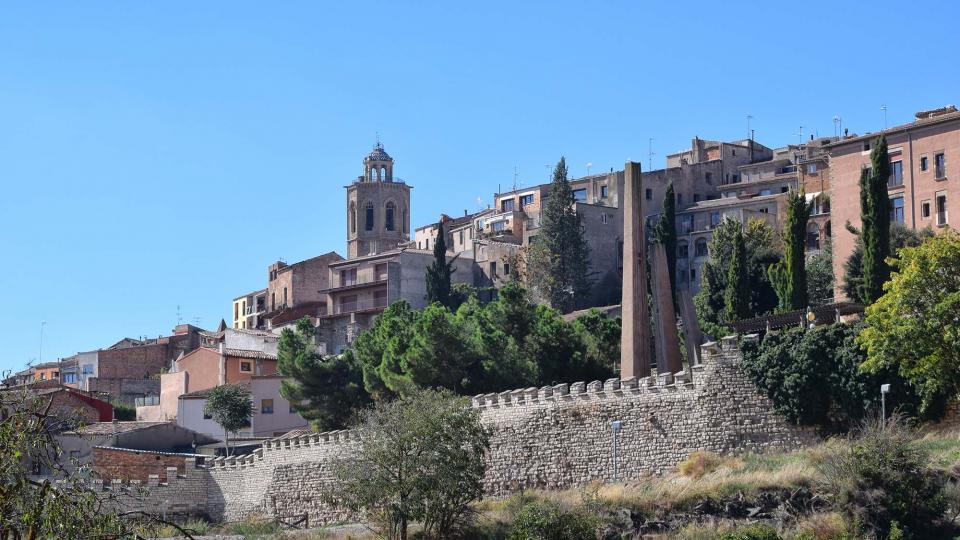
[{"x": 378, "y": 207}]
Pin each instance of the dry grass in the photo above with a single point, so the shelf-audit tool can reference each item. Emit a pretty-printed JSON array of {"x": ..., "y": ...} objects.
[{"x": 699, "y": 463}]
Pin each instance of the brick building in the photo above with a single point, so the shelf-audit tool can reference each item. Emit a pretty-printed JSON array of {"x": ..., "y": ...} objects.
[{"x": 924, "y": 184}]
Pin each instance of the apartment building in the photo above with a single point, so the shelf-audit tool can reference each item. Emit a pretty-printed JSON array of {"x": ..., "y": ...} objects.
[
  {"x": 924, "y": 184},
  {"x": 248, "y": 309}
]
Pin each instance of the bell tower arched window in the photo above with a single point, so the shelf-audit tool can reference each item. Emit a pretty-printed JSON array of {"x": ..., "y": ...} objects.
[
  {"x": 352, "y": 216},
  {"x": 391, "y": 212},
  {"x": 368, "y": 217}
]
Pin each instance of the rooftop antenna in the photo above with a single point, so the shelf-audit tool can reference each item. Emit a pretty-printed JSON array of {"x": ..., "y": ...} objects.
[
  {"x": 650, "y": 154},
  {"x": 514, "y": 177},
  {"x": 837, "y": 123},
  {"x": 884, "y": 109},
  {"x": 588, "y": 168},
  {"x": 749, "y": 117},
  {"x": 378, "y": 145},
  {"x": 179, "y": 316},
  {"x": 800, "y": 134}
]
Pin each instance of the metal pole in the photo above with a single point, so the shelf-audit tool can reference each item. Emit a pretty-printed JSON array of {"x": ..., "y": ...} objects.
[
  {"x": 884, "y": 390},
  {"x": 615, "y": 428}
]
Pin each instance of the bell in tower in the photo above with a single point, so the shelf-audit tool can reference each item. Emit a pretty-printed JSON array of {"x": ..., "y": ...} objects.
[{"x": 378, "y": 165}]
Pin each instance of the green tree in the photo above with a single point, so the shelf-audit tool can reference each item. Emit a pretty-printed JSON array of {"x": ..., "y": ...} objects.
[
  {"x": 440, "y": 355},
  {"x": 761, "y": 249},
  {"x": 418, "y": 459},
  {"x": 380, "y": 350},
  {"x": 558, "y": 265},
  {"x": 439, "y": 272},
  {"x": 813, "y": 377},
  {"x": 914, "y": 328},
  {"x": 666, "y": 234},
  {"x": 900, "y": 237},
  {"x": 789, "y": 275},
  {"x": 327, "y": 391},
  {"x": 820, "y": 275},
  {"x": 737, "y": 294},
  {"x": 875, "y": 219},
  {"x": 600, "y": 334},
  {"x": 230, "y": 406}
]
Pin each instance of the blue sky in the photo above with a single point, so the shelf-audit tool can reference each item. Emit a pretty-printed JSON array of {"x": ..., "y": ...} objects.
[{"x": 163, "y": 154}]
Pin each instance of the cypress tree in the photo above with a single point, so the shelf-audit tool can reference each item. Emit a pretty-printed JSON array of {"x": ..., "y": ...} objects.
[
  {"x": 875, "y": 217},
  {"x": 559, "y": 262},
  {"x": 737, "y": 293},
  {"x": 439, "y": 271},
  {"x": 789, "y": 276},
  {"x": 666, "y": 234}
]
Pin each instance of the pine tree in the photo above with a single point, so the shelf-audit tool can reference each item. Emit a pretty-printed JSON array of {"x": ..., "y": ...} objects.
[
  {"x": 438, "y": 273},
  {"x": 875, "y": 217},
  {"x": 559, "y": 263},
  {"x": 737, "y": 294},
  {"x": 789, "y": 276},
  {"x": 666, "y": 233}
]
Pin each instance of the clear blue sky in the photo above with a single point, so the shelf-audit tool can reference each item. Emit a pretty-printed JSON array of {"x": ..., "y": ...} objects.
[{"x": 163, "y": 154}]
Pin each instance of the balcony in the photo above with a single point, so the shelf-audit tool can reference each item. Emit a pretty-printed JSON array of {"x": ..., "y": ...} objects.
[
  {"x": 359, "y": 283},
  {"x": 345, "y": 308}
]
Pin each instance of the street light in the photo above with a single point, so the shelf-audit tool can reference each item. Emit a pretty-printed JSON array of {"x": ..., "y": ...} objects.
[
  {"x": 884, "y": 390},
  {"x": 615, "y": 429}
]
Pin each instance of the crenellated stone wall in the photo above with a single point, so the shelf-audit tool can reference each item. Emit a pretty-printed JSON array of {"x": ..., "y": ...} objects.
[{"x": 552, "y": 438}]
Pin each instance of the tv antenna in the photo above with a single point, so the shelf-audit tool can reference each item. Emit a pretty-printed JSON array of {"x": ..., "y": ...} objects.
[
  {"x": 650, "y": 154},
  {"x": 837, "y": 124},
  {"x": 884, "y": 109},
  {"x": 179, "y": 316},
  {"x": 800, "y": 134},
  {"x": 749, "y": 118},
  {"x": 588, "y": 168},
  {"x": 514, "y": 177}
]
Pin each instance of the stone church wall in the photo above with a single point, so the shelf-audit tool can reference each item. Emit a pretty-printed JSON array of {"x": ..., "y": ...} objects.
[{"x": 550, "y": 438}]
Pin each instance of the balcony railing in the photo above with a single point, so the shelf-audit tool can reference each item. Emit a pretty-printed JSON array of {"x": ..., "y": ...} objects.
[
  {"x": 344, "y": 308},
  {"x": 355, "y": 282}
]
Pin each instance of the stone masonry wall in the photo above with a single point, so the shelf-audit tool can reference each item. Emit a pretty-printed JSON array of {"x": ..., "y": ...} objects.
[{"x": 551, "y": 438}]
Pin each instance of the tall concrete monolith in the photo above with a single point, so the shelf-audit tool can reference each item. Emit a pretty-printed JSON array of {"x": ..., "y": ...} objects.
[
  {"x": 666, "y": 338},
  {"x": 692, "y": 337},
  {"x": 635, "y": 333}
]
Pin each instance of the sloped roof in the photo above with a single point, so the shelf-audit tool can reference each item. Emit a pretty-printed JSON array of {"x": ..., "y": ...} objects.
[{"x": 109, "y": 428}]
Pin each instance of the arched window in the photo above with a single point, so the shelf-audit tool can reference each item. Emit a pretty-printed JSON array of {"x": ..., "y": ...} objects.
[
  {"x": 683, "y": 250},
  {"x": 406, "y": 223},
  {"x": 374, "y": 174},
  {"x": 352, "y": 216},
  {"x": 813, "y": 237},
  {"x": 391, "y": 211},
  {"x": 383, "y": 173},
  {"x": 701, "y": 247},
  {"x": 368, "y": 217}
]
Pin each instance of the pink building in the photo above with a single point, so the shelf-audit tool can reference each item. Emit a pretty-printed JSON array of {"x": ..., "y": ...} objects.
[{"x": 924, "y": 184}]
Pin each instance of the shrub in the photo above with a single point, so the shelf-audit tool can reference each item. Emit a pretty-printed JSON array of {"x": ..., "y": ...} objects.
[
  {"x": 547, "y": 520},
  {"x": 752, "y": 532},
  {"x": 699, "y": 463},
  {"x": 124, "y": 412},
  {"x": 883, "y": 483}
]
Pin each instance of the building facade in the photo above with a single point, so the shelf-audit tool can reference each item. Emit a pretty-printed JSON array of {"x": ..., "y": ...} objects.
[{"x": 924, "y": 183}]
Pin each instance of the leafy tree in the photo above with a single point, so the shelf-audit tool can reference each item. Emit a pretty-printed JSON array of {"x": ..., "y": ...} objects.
[
  {"x": 419, "y": 459},
  {"x": 875, "y": 218},
  {"x": 380, "y": 350},
  {"x": 438, "y": 273},
  {"x": 900, "y": 237},
  {"x": 601, "y": 335},
  {"x": 34, "y": 507},
  {"x": 327, "y": 391},
  {"x": 666, "y": 234},
  {"x": 789, "y": 276},
  {"x": 558, "y": 265},
  {"x": 820, "y": 275},
  {"x": 761, "y": 251},
  {"x": 914, "y": 328},
  {"x": 439, "y": 354},
  {"x": 813, "y": 377},
  {"x": 737, "y": 295},
  {"x": 230, "y": 406}
]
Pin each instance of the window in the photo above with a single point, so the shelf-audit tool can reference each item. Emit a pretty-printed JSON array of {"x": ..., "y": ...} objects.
[
  {"x": 348, "y": 277},
  {"x": 506, "y": 205},
  {"x": 266, "y": 406},
  {"x": 236, "y": 311},
  {"x": 686, "y": 224},
  {"x": 693, "y": 275},
  {"x": 207, "y": 416},
  {"x": 427, "y": 244},
  {"x": 368, "y": 217},
  {"x": 896, "y": 174},
  {"x": 813, "y": 237},
  {"x": 679, "y": 199},
  {"x": 696, "y": 197},
  {"x": 380, "y": 298},
  {"x": 784, "y": 189},
  {"x": 353, "y": 217},
  {"x": 649, "y": 194},
  {"x": 391, "y": 210},
  {"x": 284, "y": 296},
  {"x": 812, "y": 168},
  {"x": 896, "y": 210},
  {"x": 580, "y": 194},
  {"x": 683, "y": 250},
  {"x": 380, "y": 270},
  {"x": 924, "y": 163},
  {"x": 87, "y": 369},
  {"x": 866, "y": 146},
  {"x": 526, "y": 199},
  {"x": 941, "y": 208},
  {"x": 499, "y": 226},
  {"x": 603, "y": 218},
  {"x": 461, "y": 237},
  {"x": 709, "y": 178},
  {"x": 246, "y": 367},
  {"x": 506, "y": 269},
  {"x": 603, "y": 191},
  {"x": 69, "y": 377},
  {"x": 293, "y": 410},
  {"x": 701, "y": 248},
  {"x": 493, "y": 268},
  {"x": 940, "y": 165},
  {"x": 43, "y": 376},
  {"x": 925, "y": 210},
  {"x": 733, "y": 152},
  {"x": 714, "y": 219}
]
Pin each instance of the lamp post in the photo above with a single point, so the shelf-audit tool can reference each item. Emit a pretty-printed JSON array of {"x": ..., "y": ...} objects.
[
  {"x": 615, "y": 429},
  {"x": 884, "y": 390}
]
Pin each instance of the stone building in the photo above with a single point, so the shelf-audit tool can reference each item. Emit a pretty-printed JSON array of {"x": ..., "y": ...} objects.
[
  {"x": 378, "y": 207},
  {"x": 923, "y": 185}
]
